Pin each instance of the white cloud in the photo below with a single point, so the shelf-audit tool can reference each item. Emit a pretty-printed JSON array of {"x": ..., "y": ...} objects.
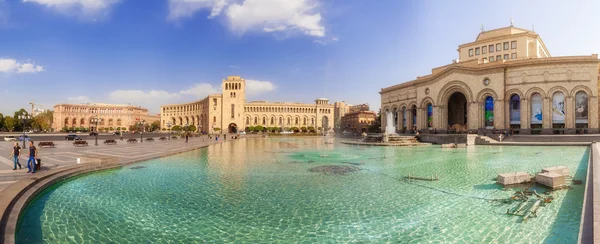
[
  {"x": 265, "y": 15},
  {"x": 13, "y": 66},
  {"x": 79, "y": 99},
  {"x": 200, "y": 90},
  {"x": 325, "y": 41},
  {"x": 255, "y": 87},
  {"x": 84, "y": 8},
  {"x": 234, "y": 66}
]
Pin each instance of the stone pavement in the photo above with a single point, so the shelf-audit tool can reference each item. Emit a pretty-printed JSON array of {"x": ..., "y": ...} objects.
[{"x": 66, "y": 154}]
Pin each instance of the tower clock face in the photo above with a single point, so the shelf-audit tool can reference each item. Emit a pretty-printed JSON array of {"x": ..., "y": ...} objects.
[{"x": 486, "y": 81}]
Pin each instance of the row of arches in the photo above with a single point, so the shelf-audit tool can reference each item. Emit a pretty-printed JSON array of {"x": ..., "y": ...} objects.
[
  {"x": 280, "y": 121},
  {"x": 286, "y": 110},
  {"x": 88, "y": 121},
  {"x": 534, "y": 110},
  {"x": 233, "y": 86}
]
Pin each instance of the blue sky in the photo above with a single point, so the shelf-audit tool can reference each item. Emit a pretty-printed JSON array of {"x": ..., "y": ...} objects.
[{"x": 155, "y": 52}]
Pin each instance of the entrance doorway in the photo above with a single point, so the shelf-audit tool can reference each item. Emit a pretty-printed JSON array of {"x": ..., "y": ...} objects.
[
  {"x": 457, "y": 110},
  {"x": 233, "y": 128}
]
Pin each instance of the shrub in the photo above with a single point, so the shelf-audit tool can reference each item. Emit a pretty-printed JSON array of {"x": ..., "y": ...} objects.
[
  {"x": 217, "y": 129},
  {"x": 176, "y": 128},
  {"x": 311, "y": 129},
  {"x": 304, "y": 129},
  {"x": 258, "y": 128},
  {"x": 111, "y": 128},
  {"x": 192, "y": 128},
  {"x": 295, "y": 129},
  {"x": 118, "y": 128}
]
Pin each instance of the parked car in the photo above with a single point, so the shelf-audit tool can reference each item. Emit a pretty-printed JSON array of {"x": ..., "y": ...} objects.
[
  {"x": 242, "y": 133},
  {"x": 93, "y": 133},
  {"x": 72, "y": 137},
  {"x": 10, "y": 138}
]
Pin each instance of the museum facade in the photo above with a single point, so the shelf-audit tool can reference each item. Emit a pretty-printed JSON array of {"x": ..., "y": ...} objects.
[
  {"x": 230, "y": 112},
  {"x": 505, "y": 79},
  {"x": 110, "y": 116}
]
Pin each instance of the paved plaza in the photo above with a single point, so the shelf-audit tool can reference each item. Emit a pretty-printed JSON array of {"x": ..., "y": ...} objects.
[{"x": 65, "y": 154}]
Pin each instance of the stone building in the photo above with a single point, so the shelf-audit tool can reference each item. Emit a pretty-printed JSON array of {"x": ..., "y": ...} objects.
[
  {"x": 358, "y": 121},
  {"x": 339, "y": 110},
  {"x": 357, "y": 108},
  {"x": 505, "y": 79},
  {"x": 230, "y": 112},
  {"x": 112, "y": 115}
]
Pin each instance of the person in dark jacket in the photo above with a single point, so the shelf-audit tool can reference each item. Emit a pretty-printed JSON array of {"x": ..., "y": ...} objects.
[{"x": 16, "y": 152}]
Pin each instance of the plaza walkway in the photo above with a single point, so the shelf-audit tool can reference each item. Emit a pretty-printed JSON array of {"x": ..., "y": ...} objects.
[{"x": 65, "y": 154}]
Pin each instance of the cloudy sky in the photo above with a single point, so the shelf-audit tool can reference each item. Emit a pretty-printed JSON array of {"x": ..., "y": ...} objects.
[{"x": 155, "y": 52}]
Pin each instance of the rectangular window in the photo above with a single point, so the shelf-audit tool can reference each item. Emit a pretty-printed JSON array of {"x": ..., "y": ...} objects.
[
  {"x": 498, "y": 47},
  {"x": 505, "y": 56},
  {"x": 491, "y": 58},
  {"x": 498, "y": 57},
  {"x": 471, "y": 52},
  {"x": 476, "y": 51},
  {"x": 484, "y": 50},
  {"x": 513, "y": 56},
  {"x": 513, "y": 45},
  {"x": 506, "y": 46},
  {"x": 492, "y": 48}
]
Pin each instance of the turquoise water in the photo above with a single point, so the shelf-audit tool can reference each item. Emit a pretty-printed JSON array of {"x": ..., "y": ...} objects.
[{"x": 260, "y": 190}]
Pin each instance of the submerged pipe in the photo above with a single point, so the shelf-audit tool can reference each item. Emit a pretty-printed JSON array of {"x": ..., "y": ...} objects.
[{"x": 533, "y": 210}]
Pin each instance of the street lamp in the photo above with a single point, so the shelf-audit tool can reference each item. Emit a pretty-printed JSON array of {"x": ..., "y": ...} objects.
[
  {"x": 24, "y": 118},
  {"x": 96, "y": 120},
  {"x": 141, "y": 125},
  {"x": 169, "y": 124}
]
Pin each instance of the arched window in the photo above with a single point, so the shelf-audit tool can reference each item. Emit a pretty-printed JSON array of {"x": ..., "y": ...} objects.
[
  {"x": 312, "y": 121},
  {"x": 264, "y": 121},
  {"x": 297, "y": 121},
  {"x": 515, "y": 111},
  {"x": 255, "y": 120},
  {"x": 429, "y": 115},
  {"x": 272, "y": 120},
  {"x": 558, "y": 110},
  {"x": 280, "y": 121},
  {"x": 395, "y": 117},
  {"x": 404, "y": 116},
  {"x": 247, "y": 120},
  {"x": 304, "y": 121},
  {"x": 288, "y": 120},
  {"x": 214, "y": 119},
  {"x": 581, "y": 109},
  {"x": 489, "y": 112},
  {"x": 536, "y": 110}
]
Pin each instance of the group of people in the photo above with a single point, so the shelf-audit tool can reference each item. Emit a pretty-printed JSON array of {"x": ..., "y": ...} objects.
[{"x": 33, "y": 154}]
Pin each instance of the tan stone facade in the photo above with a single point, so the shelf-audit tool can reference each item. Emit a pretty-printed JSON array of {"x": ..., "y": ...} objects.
[
  {"x": 229, "y": 112},
  {"x": 532, "y": 93},
  {"x": 358, "y": 121},
  {"x": 112, "y": 115}
]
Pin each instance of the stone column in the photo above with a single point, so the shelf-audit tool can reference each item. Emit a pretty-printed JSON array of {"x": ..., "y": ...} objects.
[
  {"x": 499, "y": 115},
  {"x": 409, "y": 124},
  {"x": 525, "y": 113},
  {"x": 547, "y": 116},
  {"x": 569, "y": 115},
  {"x": 419, "y": 118},
  {"x": 472, "y": 115},
  {"x": 593, "y": 114}
]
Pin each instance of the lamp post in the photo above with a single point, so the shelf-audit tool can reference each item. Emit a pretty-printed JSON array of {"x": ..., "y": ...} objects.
[
  {"x": 24, "y": 118},
  {"x": 141, "y": 125},
  {"x": 169, "y": 124},
  {"x": 96, "y": 120}
]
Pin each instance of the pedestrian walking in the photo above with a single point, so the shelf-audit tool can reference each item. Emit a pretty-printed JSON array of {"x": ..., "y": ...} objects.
[
  {"x": 121, "y": 133},
  {"x": 186, "y": 138},
  {"x": 32, "y": 156},
  {"x": 16, "y": 152}
]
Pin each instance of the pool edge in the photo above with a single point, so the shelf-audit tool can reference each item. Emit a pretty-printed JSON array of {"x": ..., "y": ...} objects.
[{"x": 15, "y": 197}]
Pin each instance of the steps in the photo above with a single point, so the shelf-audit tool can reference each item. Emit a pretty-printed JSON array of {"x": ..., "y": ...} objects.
[{"x": 484, "y": 140}]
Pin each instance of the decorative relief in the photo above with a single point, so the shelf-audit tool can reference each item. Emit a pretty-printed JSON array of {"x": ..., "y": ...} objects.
[{"x": 426, "y": 91}]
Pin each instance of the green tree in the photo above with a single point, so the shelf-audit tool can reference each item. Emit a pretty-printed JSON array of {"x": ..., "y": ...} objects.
[
  {"x": 131, "y": 128},
  {"x": 217, "y": 129},
  {"x": 19, "y": 125},
  {"x": 10, "y": 123},
  {"x": 118, "y": 128},
  {"x": 155, "y": 125},
  {"x": 65, "y": 129},
  {"x": 376, "y": 126},
  {"x": 295, "y": 129},
  {"x": 111, "y": 128},
  {"x": 1, "y": 121},
  {"x": 259, "y": 128},
  {"x": 304, "y": 129},
  {"x": 43, "y": 121},
  {"x": 311, "y": 129},
  {"x": 250, "y": 129},
  {"x": 176, "y": 128},
  {"x": 192, "y": 128}
]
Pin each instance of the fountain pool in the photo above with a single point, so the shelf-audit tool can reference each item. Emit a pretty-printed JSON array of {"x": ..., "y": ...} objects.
[{"x": 263, "y": 190}]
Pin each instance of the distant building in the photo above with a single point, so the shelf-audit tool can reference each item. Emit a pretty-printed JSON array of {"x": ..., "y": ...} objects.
[
  {"x": 113, "y": 116},
  {"x": 358, "y": 121},
  {"x": 37, "y": 111},
  {"x": 339, "y": 109},
  {"x": 229, "y": 112},
  {"x": 357, "y": 108}
]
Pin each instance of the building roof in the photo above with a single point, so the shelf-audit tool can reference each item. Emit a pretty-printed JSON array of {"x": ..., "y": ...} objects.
[{"x": 505, "y": 31}]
